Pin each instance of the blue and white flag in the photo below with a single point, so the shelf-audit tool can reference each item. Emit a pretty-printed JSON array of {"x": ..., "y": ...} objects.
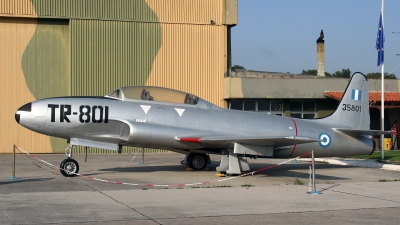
[
  {"x": 356, "y": 94},
  {"x": 379, "y": 42}
]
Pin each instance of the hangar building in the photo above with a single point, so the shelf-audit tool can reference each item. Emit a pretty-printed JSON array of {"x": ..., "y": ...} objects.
[{"x": 61, "y": 47}]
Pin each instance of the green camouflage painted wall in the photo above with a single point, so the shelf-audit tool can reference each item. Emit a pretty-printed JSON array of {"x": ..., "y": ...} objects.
[
  {"x": 106, "y": 55},
  {"x": 128, "y": 10},
  {"x": 89, "y": 57},
  {"x": 91, "y": 47}
]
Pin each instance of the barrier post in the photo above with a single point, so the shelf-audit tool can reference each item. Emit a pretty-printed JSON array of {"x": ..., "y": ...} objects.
[
  {"x": 13, "y": 165},
  {"x": 142, "y": 162},
  {"x": 309, "y": 180},
  {"x": 314, "y": 191}
]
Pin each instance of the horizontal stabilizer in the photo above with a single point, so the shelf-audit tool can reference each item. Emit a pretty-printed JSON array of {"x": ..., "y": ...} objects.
[
  {"x": 362, "y": 132},
  {"x": 258, "y": 140}
]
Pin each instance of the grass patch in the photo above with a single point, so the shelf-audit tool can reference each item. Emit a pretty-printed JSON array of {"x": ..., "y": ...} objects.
[
  {"x": 298, "y": 182},
  {"x": 390, "y": 156},
  {"x": 220, "y": 186},
  {"x": 386, "y": 180},
  {"x": 214, "y": 186},
  {"x": 246, "y": 185}
]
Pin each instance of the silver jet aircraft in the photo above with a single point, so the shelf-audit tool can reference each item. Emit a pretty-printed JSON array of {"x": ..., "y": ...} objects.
[{"x": 155, "y": 117}]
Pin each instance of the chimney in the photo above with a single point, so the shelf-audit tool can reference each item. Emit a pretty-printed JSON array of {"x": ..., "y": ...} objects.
[{"x": 321, "y": 55}]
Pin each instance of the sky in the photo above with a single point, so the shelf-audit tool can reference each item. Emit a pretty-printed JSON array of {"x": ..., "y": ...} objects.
[{"x": 280, "y": 35}]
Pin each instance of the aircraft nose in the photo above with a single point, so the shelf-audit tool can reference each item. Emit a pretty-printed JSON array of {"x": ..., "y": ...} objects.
[{"x": 24, "y": 108}]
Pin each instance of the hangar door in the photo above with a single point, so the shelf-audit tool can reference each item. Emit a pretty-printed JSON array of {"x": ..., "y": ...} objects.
[{"x": 35, "y": 63}]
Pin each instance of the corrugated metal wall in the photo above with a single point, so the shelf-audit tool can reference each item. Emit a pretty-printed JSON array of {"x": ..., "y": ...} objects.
[
  {"x": 102, "y": 45},
  {"x": 101, "y": 9},
  {"x": 15, "y": 35},
  {"x": 106, "y": 55},
  {"x": 192, "y": 59},
  {"x": 79, "y": 9},
  {"x": 189, "y": 11},
  {"x": 172, "y": 11},
  {"x": 17, "y": 8},
  {"x": 45, "y": 60},
  {"x": 45, "y": 63}
]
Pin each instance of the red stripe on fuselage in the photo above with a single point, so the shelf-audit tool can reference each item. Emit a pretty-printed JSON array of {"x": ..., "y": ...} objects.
[
  {"x": 195, "y": 140},
  {"x": 294, "y": 146},
  {"x": 295, "y": 126}
]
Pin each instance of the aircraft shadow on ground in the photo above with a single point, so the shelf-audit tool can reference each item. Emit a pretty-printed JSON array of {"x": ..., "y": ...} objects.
[
  {"x": 17, "y": 181},
  {"x": 147, "y": 168},
  {"x": 289, "y": 170},
  {"x": 286, "y": 170},
  {"x": 300, "y": 175}
]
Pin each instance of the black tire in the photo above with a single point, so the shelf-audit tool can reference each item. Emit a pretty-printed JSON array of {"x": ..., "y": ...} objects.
[
  {"x": 69, "y": 167},
  {"x": 197, "y": 161}
]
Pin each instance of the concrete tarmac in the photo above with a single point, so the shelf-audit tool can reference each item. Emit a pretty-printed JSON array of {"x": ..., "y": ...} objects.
[{"x": 40, "y": 195}]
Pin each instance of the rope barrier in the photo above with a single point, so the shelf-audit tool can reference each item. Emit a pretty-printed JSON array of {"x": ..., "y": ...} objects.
[{"x": 157, "y": 185}]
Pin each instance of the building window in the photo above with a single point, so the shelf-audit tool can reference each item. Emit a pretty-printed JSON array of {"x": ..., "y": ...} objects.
[
  {"x": 303, "y": 109},
  {"x": 262, "y": 105},
  {"x": 236, "y": 104},
  {"x": 249, "y": 105}
]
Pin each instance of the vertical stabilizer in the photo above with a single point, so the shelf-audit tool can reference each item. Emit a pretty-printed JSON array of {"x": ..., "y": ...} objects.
[{"x": 353, "y": 109}]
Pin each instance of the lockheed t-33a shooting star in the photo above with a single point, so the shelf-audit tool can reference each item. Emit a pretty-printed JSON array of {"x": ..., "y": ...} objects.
[{"x": 155, "y": 117}]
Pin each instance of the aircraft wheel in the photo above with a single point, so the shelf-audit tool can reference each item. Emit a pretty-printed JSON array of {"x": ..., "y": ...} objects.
[
  {"x": 197, "y": 161},
  {"x": 69, "y": 167}
]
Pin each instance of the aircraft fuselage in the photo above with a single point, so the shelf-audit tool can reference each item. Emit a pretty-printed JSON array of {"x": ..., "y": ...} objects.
[{"x": 157, "y": 124}]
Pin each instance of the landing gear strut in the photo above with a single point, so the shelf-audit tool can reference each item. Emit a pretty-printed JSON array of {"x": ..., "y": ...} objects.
[
  {"x": 69, "y": 167},
  {"x": 233, "y": 164}
]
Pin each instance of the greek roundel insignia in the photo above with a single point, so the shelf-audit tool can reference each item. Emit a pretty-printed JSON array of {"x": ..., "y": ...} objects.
[{"x": 326, "y": 140}]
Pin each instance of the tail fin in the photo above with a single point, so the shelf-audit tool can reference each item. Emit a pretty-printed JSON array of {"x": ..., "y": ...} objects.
[{"x": 353, "y": 109}]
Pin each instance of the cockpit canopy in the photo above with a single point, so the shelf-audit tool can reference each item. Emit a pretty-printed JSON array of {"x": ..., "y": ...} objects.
[{"x": 158, "y": 94}]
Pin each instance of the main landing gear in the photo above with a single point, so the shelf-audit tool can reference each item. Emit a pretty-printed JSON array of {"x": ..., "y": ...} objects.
[
  {"x": 196, "y": 161},
  {"x": 69, "y": 167},
  {"x": 232, "y": 164}
]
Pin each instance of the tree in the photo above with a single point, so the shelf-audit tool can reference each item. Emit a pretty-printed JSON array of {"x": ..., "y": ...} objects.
[
  {"x": 345, "y": 73},
  {"x": 379, "y": 76},
  {"x": 314, "y": 72},
  {"x": 309, "y": 72},
  {"x": 238, "y": 67}
]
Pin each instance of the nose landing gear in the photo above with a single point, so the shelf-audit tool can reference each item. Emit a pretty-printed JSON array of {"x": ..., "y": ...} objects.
[{"x": 69, "y": 167}]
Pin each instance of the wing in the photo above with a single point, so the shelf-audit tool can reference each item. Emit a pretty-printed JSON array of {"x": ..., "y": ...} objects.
[
  {"x": 362, "y": 132},
  {"x": 254, "y": 140}
]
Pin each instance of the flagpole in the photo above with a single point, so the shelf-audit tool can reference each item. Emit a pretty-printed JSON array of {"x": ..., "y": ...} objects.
[
  {"x": 382, "y": 93},
  {"x": 383, "y": 110}
]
